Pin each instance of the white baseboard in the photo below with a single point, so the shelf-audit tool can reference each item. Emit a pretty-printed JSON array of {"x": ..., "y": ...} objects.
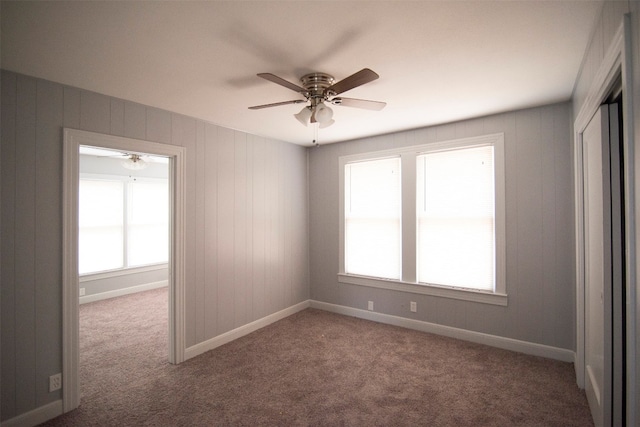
[
  {"x": 448, "y": 331},
  {"x": 125, "y": 291},
  {"x": 227, "y": 337},
  {"x": 37, "y": 416}
]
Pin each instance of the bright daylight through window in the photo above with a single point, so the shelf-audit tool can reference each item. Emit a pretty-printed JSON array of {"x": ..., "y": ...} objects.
[
  {"x": 122, "y": 223},
  {"x": 453, "y": 245}
]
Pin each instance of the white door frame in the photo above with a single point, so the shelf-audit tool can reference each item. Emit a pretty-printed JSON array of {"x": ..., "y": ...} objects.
[
  {"x": 617, "y": 61},
  {"x": 70, "y": 289}
]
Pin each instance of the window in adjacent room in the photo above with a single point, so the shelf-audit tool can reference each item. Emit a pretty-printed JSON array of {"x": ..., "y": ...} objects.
[{"x": 123, "y": 223}]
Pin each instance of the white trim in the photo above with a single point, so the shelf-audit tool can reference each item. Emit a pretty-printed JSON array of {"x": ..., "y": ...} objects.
[
  {"x": 70, "y": 324},
  {"x": 408, "y": 281},
  {"x": 36, "y": 416},
  {"x": 448, "y": 331},
  {"x": 600, "y": 87},
  {"x": 234, "y": 334},
  {"x": 70, "y": 278},
  {"x": 628, "y": 144},
  {"x": 419, "y": 288},
  {"x": 618, "y": 58},
  {"x": 125, "y": 291}
]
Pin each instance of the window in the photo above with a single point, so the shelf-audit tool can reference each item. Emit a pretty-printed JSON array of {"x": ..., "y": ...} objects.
[
  {"x": 122, "y": 223},
  {"x": 426, "y": 219},
  {"x": 456, "y": 205},
  {"x": 372, "y": 218},
  {"x": 101, "y": 223}
]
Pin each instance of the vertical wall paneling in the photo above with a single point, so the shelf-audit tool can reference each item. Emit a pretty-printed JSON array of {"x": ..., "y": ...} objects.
[
  {"x": 237, "y": 207},
  {"x": 446, "y": 132},
  {"x": 249, "y": 276},
  {"x": 8, "y": 224},
  {"x": 277, "y": 234},
  {"x": 25, "y": 243},
  {"x": 259, "y": 225},
  {"x": 280, "y": 233},
  {"x": 95, "y": 112},
  {"x": 117, "y": 117},
  {"x": 135, "y": 123},
  {"x": 564, "y": 236},
  {"x": 71, "y": 107},
  {"x": 158, "y": 125},
  {"x": 269, "y": 242},
  {"x": 211, "y": 232},
  {"x": 48, "y": 232},
  {"x": 240, "y": 228},
  {"x": 197, "y": 333},
  {"x": 537, "y": 141},
  {"x": 549, "y": 244},
  {"x": 529, "y": 211},
  {"x": 226, "y": 223}
]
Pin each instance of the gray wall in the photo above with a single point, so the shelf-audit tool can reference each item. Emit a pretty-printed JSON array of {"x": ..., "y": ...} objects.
[
  {"x": 246, "y": 223},
  {"x": 102, "y": 286},
  {"x": 605, "y": 28},
  {"x": 539, "y": 230}
]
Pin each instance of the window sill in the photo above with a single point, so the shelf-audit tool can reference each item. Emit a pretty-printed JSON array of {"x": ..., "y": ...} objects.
[
  {"x": 438, "y": 291},
  {"x": 121, "y": 272}
]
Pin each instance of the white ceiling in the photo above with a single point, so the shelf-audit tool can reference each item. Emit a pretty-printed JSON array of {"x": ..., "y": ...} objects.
[{"x": 438, "y": 61}]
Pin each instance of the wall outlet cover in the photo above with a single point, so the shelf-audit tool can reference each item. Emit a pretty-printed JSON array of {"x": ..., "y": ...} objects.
[{"x": 55, "y": 382}]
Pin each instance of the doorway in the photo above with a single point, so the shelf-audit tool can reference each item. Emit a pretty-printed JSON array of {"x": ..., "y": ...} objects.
[{"x": 73, "y": 139}]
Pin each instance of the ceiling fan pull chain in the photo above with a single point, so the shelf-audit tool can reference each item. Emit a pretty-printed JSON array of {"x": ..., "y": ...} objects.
[{"x": 315, "y": 135}]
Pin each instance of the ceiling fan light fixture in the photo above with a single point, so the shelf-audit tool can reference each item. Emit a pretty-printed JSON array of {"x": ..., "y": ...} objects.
[
  {"x": 326, "y": 124},
  {"x": 303, "y": 116},
  {"x": 323, "y": 114},
  {"x": 134, "y": 162}
]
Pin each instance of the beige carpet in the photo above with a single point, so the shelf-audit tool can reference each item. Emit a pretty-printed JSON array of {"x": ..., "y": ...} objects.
[{"x": 313, "y": 368}]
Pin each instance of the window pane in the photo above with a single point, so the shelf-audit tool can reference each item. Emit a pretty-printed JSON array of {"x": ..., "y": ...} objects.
[
  {"x": 148, "y": 222},
  {"x": 456, "y": 221},
  {"x": 372, "y": 218},
  {"x": 100, "y": 242}
]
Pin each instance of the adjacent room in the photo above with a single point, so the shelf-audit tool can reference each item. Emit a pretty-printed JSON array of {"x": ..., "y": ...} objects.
[{"x": 319, "y": 212}]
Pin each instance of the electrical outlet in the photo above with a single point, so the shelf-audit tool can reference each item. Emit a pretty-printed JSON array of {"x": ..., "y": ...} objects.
[
  {"x": 55, "y": 382},
  {"x": 82, "y": 290},
  {"x": 370, "y": 306},
  {"x": 414, "y": 306}
]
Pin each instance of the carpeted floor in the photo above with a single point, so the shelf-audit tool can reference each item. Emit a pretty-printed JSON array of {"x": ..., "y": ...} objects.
[{"x": 312, "y": 368}]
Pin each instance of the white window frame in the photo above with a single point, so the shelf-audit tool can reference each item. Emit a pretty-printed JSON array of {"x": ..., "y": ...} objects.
[
  {"x": 126, "y": 268},
  {"x": 409, "y": 283}
]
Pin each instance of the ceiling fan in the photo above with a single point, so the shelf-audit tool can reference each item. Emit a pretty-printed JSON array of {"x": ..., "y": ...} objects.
[
  {"x": 321, "y": 88},
  {"x": 131, "y": 161}
]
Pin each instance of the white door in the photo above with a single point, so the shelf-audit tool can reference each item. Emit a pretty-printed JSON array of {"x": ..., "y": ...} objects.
[{"x": 597, "y": 238}]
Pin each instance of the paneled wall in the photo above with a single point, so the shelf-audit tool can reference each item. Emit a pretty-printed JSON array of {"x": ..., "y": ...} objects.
[
  {"x": 247, "y": 243},
  {"x": 539, "y": 230}
]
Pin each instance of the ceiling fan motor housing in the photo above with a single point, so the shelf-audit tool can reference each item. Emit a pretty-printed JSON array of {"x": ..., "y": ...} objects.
[{"x": 316, "y": 83}]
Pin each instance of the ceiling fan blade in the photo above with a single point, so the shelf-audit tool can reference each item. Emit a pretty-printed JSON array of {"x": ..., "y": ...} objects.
[
  {"x": 276, "y": 104},
  {"x": 359, "y": 103},
  {"x": 282, "y": 82},
  {"x": 361, "y": 77}
]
